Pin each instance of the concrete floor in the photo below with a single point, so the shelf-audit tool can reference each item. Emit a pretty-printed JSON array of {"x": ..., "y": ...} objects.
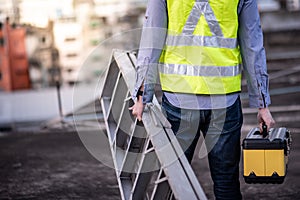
[{"x": 56, "y": 165}]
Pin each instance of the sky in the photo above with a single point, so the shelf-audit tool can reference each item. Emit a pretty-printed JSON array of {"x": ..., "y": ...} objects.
[{"x": 37, "y": 12}]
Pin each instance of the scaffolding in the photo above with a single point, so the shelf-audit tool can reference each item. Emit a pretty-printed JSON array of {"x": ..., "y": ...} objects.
[{"x": 148, "y": 160}]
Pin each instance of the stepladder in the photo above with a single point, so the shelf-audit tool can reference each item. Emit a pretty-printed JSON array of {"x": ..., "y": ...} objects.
[{"x": 148, "y": 160}]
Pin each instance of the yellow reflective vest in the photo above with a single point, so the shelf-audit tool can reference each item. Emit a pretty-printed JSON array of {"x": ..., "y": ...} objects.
[{"x": 201, "y": 53}]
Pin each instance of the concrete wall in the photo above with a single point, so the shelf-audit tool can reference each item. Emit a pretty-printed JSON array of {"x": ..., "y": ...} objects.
[{"x": 40, "y": 105}]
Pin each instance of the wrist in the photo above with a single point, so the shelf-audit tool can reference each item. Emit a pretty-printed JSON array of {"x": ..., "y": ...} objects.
[
  {"x": 266, "y": 108},
  {"x": 139, "y": 93}
]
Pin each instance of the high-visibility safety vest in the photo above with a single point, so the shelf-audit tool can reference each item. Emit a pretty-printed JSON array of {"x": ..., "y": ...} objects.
[{"x": 201, "y": 53}]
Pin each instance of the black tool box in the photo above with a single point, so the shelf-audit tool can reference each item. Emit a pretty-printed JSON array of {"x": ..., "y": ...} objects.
[{"x": 265, "y": 156}]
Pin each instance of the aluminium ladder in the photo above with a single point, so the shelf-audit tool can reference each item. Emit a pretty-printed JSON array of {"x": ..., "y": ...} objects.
[{"x": 148, "y": 160}]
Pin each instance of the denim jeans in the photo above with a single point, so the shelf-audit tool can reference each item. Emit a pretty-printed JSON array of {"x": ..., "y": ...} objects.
[{"x": 221, "y": 129}]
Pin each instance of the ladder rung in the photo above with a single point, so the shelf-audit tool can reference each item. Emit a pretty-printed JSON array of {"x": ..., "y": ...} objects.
[
  {"x": 149, "y": 150},
  {"x": 161, "y": 180}
]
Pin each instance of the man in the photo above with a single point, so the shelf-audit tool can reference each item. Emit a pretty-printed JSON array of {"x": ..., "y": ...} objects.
[{"x": 198, "y": 48}]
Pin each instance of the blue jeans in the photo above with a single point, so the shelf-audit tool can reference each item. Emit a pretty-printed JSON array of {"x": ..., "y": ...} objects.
[{"x": 221, "y": 129}]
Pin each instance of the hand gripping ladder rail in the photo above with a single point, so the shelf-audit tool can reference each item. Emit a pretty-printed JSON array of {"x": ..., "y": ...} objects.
[{"x": 148, "y": 160}]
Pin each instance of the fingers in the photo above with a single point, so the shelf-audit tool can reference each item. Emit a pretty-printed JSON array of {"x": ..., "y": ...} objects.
[
  {"x": 260, "y": 127},
  {"x": 269, "y": 125},
  {"x": 137, "y": 111},
  {"x": 269, "y": 122},
  {"x": 264, "y": 116},
  {"x": 139, "y": 117}
]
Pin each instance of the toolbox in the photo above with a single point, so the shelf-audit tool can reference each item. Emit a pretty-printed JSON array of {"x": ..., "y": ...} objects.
[{"x": 265, "y": 156}]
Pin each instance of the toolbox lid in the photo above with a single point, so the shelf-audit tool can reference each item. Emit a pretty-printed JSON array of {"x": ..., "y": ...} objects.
[{"x": 276, "y": 139}]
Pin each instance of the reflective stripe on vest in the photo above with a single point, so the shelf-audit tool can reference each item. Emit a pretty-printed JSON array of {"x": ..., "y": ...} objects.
[
  {"x": 191, "y": 70},
  {"x": 199, "y": 56},
  {"x": 208, "y": 41}
]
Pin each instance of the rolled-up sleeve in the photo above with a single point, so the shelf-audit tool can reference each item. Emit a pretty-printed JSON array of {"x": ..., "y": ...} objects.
[
  {"x": 253, "y": 54},
  {"x": 151, "y": 45}
]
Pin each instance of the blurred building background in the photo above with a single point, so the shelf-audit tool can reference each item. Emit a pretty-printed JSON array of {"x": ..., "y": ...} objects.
[{"x": 61, "y": 33}]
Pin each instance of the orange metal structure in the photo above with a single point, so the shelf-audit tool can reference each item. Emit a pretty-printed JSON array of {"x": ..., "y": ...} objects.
[{"x": 14, "y": 74}]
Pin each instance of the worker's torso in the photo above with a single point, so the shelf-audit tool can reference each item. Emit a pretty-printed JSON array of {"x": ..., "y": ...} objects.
[{"x": 201, "y": 54}]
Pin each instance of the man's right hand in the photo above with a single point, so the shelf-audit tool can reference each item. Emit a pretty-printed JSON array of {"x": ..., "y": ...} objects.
[{"x": 138, "y": 108}]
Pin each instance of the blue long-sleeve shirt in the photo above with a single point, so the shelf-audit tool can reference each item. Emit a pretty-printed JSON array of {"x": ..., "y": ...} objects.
[{"x": 250, "y": 39}]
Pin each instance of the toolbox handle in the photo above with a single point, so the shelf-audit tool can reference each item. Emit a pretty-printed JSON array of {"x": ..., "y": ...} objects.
[{"x": 265, "y": 130}]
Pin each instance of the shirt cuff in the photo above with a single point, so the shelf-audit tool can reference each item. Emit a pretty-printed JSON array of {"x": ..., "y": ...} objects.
[
  {"x": 148, "y": 93},
  {"x": 259, "y": 101}
]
